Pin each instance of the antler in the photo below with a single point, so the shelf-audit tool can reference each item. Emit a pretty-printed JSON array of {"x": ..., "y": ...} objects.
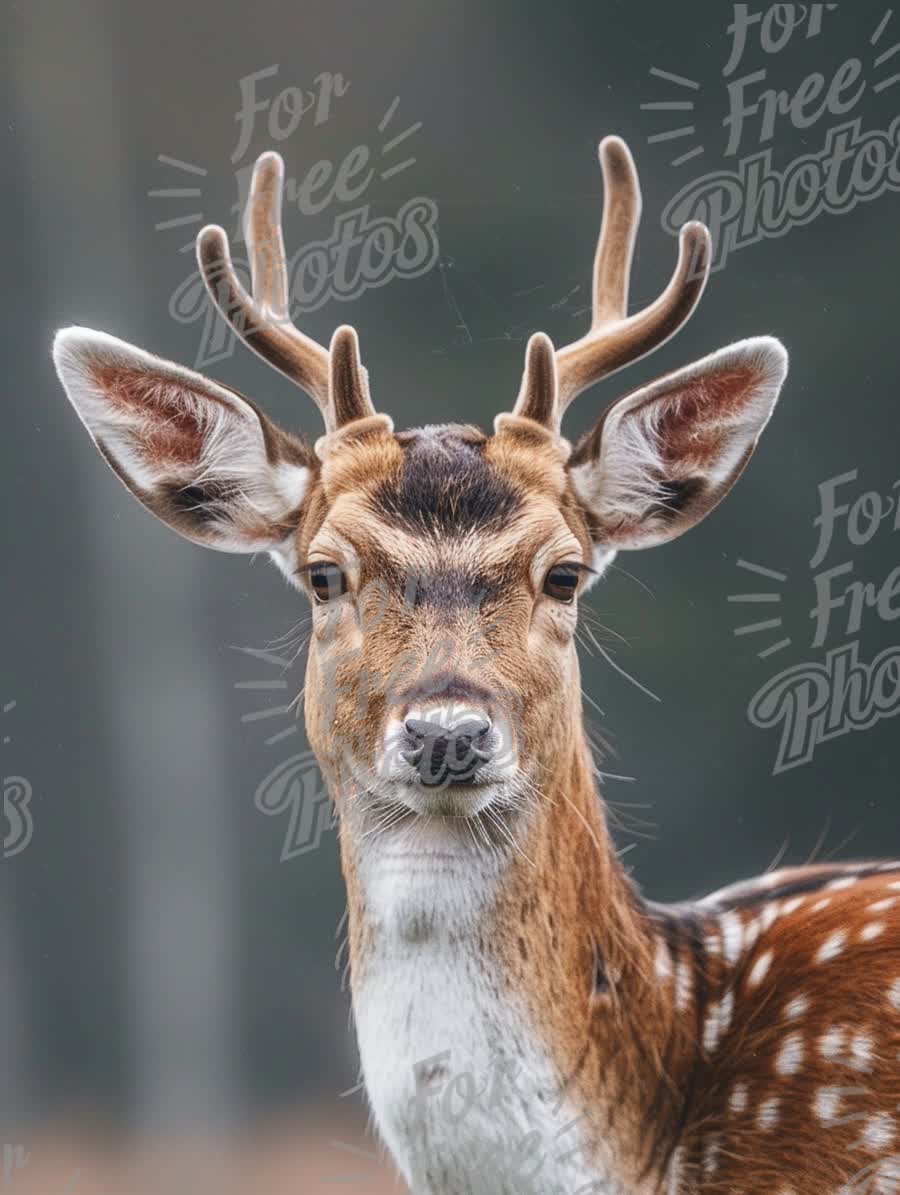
[
  {"x": 262, "y": 320},
  {"x": 615, "y": 339}
]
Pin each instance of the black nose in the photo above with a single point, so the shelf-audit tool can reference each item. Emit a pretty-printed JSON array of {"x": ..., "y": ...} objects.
[{"x": 447, "y": 755}]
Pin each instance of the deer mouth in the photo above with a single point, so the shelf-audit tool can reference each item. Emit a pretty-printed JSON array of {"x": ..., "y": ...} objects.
[
  {"x": 463, "y": 800},
  {"x": 446, "y": 760}
]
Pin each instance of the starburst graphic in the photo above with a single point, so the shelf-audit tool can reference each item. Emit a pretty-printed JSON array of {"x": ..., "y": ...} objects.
[
  {"x": 179, "y": 193},
  {"x": 887, "y": 56},
  {"x": 295, "y": 785},
  {"x": 683, "y": 105},
  {"x": 387, "y": 169},
  {"x": 390, "y": 145},
  {"x": 762, "y": 598},
  {"x": 8, "y": 709},
  {"x": 277, "y": 684}
]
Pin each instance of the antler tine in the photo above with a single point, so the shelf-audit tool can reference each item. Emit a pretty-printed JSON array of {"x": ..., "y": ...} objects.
[
  {"x": 616, "y": 339},
  {"x": 537, "y": 397},
  {"x": 264, "y": 238},
  {"x": 618, "y": 232},
  {"x": 262, "y": 320}
]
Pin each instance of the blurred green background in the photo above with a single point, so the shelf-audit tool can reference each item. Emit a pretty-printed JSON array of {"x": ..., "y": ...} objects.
[{"x": 163, "y": 976}]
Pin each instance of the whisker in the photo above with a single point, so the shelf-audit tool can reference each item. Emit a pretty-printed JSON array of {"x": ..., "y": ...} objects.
[
  {"x": 498, "y": 822},
  {"x": 583, "y": 820},
  {"x": 632, "y": 577},
  {"x": 637, "y": 684},
  {"x": 590, "y": 699},
  {"x": 621, "y": 638}
]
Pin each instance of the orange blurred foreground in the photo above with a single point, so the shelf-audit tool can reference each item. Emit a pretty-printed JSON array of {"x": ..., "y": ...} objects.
[{"x": 311, "y": 1157}]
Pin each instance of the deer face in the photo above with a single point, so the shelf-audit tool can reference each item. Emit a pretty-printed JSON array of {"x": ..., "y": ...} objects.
[
  {"x": 444, "y": 565},
  {"x": 444, "y": 576}
]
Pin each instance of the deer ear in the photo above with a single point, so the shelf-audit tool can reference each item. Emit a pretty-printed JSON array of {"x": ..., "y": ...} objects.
[
  {"x": 197, "y": 455},
  {"x": 662, "y": 458}
]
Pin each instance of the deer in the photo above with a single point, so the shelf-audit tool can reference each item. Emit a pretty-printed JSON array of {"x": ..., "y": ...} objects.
[{"x": 510, "y": 983}]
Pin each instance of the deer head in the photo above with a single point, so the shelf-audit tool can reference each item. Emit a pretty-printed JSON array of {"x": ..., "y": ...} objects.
[{"x": 444, "y": 565}]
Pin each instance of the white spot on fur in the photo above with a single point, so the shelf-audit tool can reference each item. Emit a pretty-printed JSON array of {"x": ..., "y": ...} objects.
[
  {"x": 797, "y": 1008},
  {"x": 663, "y": 962},
  {"x": 885, "y": 1172},
  {"x": 760, "y": 969},
  {"x": 767, "y": 1117},
  {"x": 879, "y": 1133},
  {"x": 791, "y": 906},
  {"x": 769, "y": 915},
  {"x": 676, "y": 1171},
  {"x": 881, "y": 906},
  {"x": 739, "y": 1098},
  {"x": 790, "y": 1056},
  {"x": 832, "y": 1044},
  {"x": 878, "y": 1178},
  {"x": 856, "y": 1050},
  {"x": 842, "y": 883},
  {"x": 732, "y": 935},
  {"x": 751, "y": 933},
  {"x": 872, "y": 931},
  {"x": 894, "y": 994},
  {"x": 862, "y": 1051},
  {"x": 827, "y": 1103},
  {"x": 821, "y": 904},
  {"x": 718, "y": 1021},
  {"x": 832, "y": 947},
  {"x": 711, "y": 1157},
  {"x": 684, "y": 986}
]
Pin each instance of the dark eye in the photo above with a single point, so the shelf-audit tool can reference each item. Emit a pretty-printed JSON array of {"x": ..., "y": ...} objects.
[
  {"x": 561, "y": 582},
  {"x": 327, "y": 581}
]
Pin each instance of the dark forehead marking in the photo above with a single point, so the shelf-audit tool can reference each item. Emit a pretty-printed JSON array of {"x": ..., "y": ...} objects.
[
  {"x": 445, "y": 484},
  {"x": 442, "y": 588}
]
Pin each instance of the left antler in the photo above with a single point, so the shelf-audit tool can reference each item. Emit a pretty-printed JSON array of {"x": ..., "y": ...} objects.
[
  {"x": 616, "y": 339},
  {"x": 262, "y": 320}
]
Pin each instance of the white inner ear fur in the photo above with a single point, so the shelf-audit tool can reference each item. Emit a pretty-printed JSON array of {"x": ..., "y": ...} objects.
[
  {"x": 602, "y": 557},
  {"x": 231, "y": 447},
  {"x": 622, "y": 487}
]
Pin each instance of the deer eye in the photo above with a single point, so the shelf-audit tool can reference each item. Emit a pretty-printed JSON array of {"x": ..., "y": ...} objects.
[
  {"x": 327, "y": 581},
  {"x": 562, "y": 582}
]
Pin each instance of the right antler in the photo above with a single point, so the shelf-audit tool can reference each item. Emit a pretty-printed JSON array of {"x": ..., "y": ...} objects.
[
  {"x": 262, "y": 320},
  {"x": 616, "y": 339}
]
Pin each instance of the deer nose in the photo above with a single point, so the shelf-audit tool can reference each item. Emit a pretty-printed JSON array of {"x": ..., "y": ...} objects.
[{"x": 447, "y": 754}]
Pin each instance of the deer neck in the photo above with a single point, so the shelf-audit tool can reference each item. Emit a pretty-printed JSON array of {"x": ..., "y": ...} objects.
[{"x": 524, "y": 978}]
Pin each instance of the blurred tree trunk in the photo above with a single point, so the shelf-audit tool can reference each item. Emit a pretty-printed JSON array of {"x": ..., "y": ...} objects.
[{"x": 160, "y": 709}]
